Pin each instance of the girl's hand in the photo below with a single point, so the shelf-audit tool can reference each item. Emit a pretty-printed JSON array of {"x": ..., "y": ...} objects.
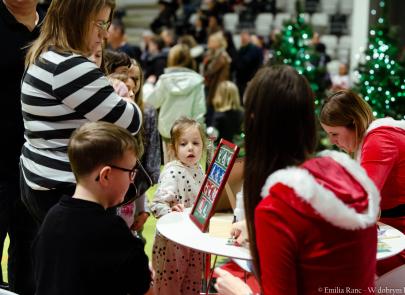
[{"x": 178, "y": 208}]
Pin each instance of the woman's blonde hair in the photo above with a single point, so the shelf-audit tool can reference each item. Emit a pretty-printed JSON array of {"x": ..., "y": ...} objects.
[
  {"x": 67, "y": 26},
  {"x": 226, "y": 97},
  {"x": 179, "y": 56},
  {"x": 346, "y": 108},
  {"x": 220, "y": 38},
  {"x": 188, "y": 40}
]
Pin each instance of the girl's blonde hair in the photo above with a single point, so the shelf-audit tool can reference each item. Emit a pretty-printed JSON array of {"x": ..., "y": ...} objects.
[
  {"x": 179, "y": 56},
  {"x": 179, "y": 127},
  {"x": 226, "y": 97},
  {"x": 67, "y": 27},
  {"x": 346, "y": 108}
]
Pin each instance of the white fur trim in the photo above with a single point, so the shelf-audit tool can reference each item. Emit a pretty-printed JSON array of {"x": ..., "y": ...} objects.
[
  {"x": 324, "y": 201},
  {"x": 384, "y": 122}
]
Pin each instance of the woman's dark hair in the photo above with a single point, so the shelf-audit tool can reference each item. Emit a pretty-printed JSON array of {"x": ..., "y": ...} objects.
[{"x": 280, "y": 131}]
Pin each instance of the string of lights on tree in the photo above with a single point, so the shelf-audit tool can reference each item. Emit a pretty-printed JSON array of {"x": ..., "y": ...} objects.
[
  {"x": 293, "y": 47},
  {"x": 382, "y": 74}
]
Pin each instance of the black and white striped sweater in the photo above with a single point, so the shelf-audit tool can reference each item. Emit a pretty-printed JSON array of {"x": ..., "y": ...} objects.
[{"x": 59, "y": 93}]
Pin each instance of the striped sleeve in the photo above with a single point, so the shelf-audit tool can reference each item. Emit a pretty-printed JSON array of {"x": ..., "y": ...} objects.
[{"x": 81, "y": 86}]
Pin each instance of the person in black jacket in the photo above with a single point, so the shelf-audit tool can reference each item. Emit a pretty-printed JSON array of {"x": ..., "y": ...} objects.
[
  {"x": 82, "y": 248},
  {"x": 156, "y": 58},
  {"x": 117, "y": 40},
  {"x": 19, "y": 25},
  {"x": 248, "y": 61}
]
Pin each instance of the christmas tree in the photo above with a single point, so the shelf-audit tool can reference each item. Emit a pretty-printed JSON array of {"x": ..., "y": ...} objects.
[
  {"x": 293, "y": 47},
  {"x": 382, "y": 75}
]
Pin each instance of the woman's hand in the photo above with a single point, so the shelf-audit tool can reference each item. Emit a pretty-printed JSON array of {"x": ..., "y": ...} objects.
[
  {"x": 239, "y": 232},
  {"x": 227, "y": 284}
]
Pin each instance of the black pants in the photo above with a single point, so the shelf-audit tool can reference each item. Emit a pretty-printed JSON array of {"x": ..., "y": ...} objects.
[
  {"x": 21, "y": 228},
  {"x": 38, "y": 202}
]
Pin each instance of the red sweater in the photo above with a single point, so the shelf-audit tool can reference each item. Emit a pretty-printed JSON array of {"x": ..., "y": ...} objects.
[
  {"x": 383, "y": 158},
  {"x": 316, "y": 230}
]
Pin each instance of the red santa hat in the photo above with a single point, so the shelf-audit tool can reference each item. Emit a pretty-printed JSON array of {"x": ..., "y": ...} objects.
[{"x": 324, "y": 201}]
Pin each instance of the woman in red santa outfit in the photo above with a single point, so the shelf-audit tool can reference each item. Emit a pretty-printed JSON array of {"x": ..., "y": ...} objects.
[
  {"x": 379, "y": 146},
  {"x": 311, "y": 219}
]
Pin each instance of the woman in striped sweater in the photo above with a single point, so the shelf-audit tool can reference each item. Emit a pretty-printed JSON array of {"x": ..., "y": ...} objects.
[{"x": 61, "y": 90}]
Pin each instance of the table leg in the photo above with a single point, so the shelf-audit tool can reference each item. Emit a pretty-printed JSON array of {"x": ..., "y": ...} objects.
[{"x": 208, "y": 272}]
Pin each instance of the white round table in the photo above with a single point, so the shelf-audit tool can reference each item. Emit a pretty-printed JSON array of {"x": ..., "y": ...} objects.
[
  {"x": 390, "y": 241},
  {"x": 178, "y": 227}
]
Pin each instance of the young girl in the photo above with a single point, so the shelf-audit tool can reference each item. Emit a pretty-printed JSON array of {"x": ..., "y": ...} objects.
[
  {"x": 178, "y": 269},
  {"x": 136, "y": 213},
  {"x": 228, "y": 114}
]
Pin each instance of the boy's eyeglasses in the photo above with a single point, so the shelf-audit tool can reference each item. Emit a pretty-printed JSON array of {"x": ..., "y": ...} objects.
[
  {"x": 132, "y": 172},
  {"x": 139, "y": 186},
  {"x": 103, "y": 25}
]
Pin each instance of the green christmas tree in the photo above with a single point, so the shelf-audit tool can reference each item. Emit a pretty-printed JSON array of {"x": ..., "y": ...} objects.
[
  {"x": 293, "y": 47},
  {"x": 382, "y": 75}
]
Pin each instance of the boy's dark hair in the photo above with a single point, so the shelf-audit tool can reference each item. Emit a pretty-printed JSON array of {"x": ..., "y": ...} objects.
[
  {"x": 280, "y": 131},
  {"x": 119, "y": 24},
  {"x": 99, "y": 143},
  {"x": 115, "y": 59}
]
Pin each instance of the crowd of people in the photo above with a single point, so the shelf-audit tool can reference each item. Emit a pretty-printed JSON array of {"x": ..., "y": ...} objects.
[{"x": 90, "y": 118}]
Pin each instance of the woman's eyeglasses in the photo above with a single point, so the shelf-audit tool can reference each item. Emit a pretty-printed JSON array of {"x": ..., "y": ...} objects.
[{"x": 103, "y": 25}]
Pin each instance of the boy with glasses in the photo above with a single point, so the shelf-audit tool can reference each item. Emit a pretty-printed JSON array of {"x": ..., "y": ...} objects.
[{"x": 81, "y": 247}]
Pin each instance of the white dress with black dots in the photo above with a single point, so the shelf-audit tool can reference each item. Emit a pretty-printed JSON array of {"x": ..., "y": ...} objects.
[{"x": 178, "y": 269}]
